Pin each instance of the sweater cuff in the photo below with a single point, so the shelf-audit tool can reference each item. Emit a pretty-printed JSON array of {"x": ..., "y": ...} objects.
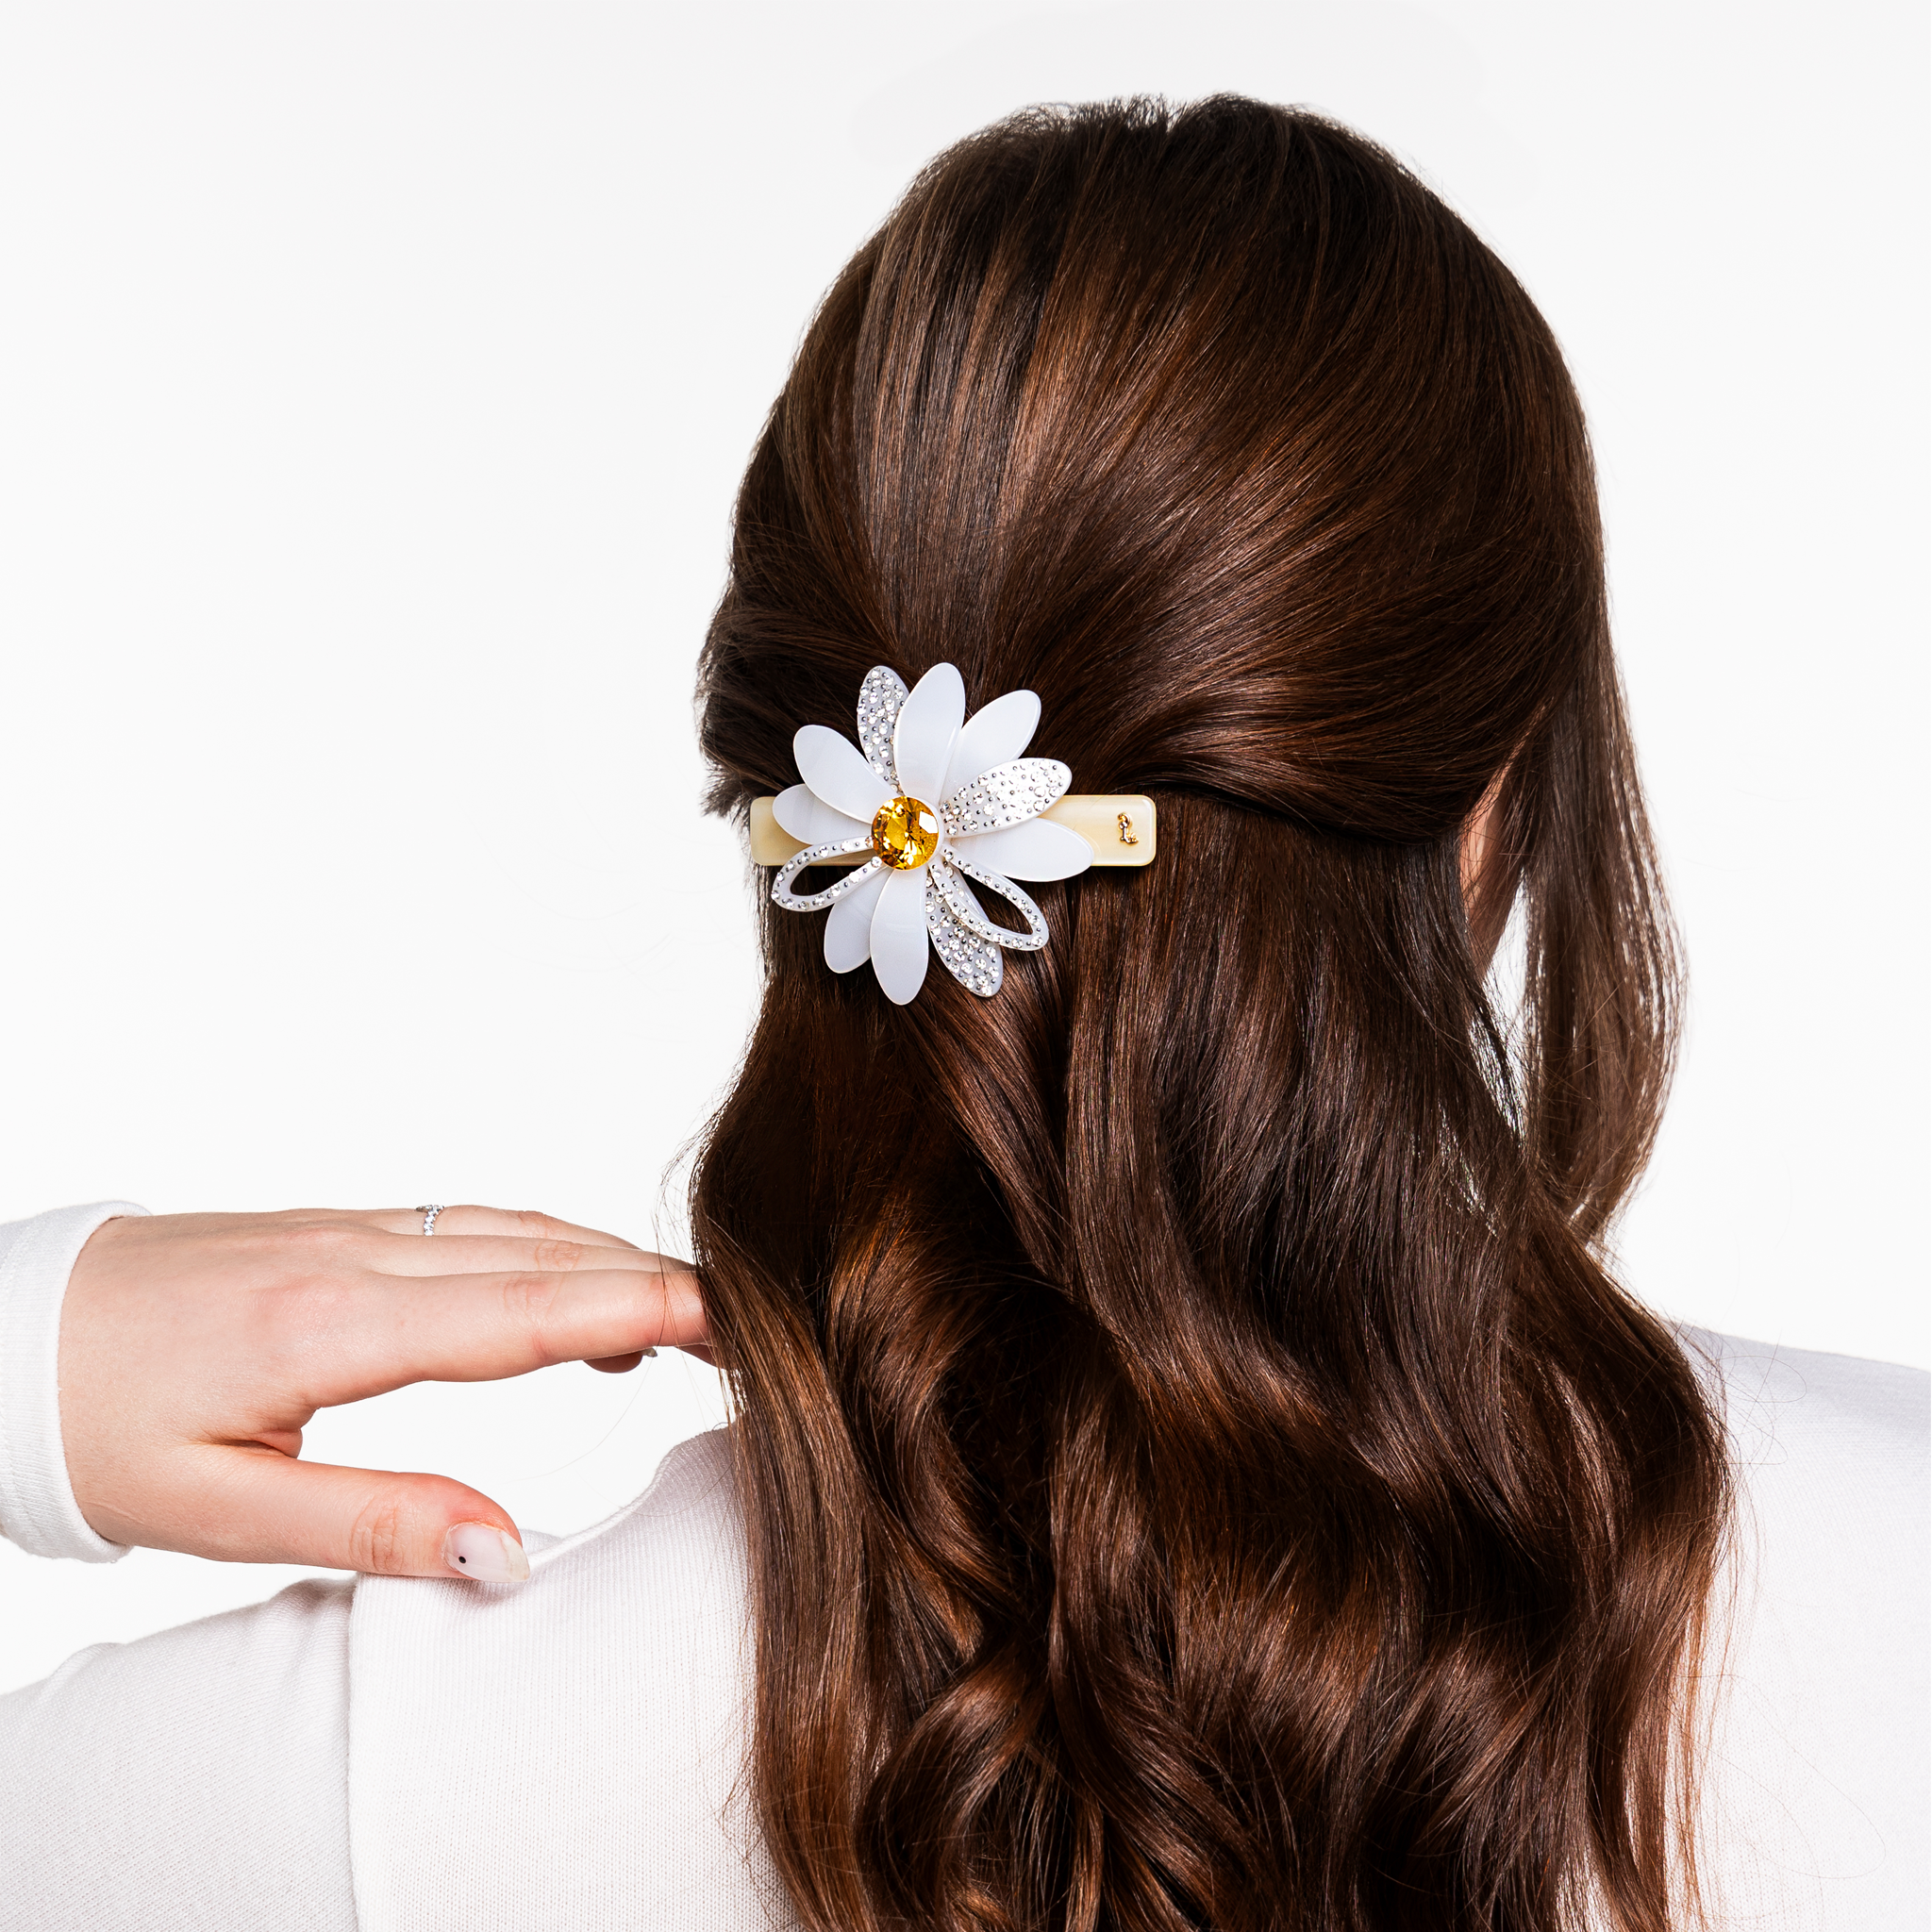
[{"x": 37, "y": 1508}]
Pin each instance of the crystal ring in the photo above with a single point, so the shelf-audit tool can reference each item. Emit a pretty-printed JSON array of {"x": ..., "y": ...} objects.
[{"x": 429, "y": 1214}]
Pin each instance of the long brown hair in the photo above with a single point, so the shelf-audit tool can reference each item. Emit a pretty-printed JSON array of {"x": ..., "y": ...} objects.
[{"x": 1199, "y": 1471}]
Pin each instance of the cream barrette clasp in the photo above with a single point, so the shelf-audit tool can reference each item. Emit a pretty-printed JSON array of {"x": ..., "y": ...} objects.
[{"x": 928, "y": 800}]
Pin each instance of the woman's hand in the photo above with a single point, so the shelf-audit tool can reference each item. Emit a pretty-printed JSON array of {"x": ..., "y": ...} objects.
[{"x": 194, "y": 1348}]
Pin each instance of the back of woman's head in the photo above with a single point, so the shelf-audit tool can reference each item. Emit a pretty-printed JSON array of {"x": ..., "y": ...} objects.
[{"x": 1198, "y": 1471}]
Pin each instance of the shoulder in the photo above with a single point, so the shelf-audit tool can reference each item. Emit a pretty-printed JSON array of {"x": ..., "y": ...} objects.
[
  {"x": 1883, "y": 1400},
  {"x": 213, "y": 1758},
  {"x": 678, "y": 1546},
  {"x": 1831, "y": 1444},
  {"x": 612, "y": 1687},
  {"x": 1817, "y": 1660},
  {"x": 693, "y": 1498},
  {"x": 1829, "y": 1530}
]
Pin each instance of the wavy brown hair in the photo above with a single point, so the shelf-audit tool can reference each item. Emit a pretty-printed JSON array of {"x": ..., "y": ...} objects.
[{"x": 1199, "y": 1472}]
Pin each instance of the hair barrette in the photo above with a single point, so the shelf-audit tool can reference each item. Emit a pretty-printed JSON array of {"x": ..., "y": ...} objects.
[{"x": 927, "y": 802}]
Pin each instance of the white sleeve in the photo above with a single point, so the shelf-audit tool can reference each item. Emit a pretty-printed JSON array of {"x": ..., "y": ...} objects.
[
  {"x": 37, "y": 1508},
  {"x": 195, "y": 1778}
]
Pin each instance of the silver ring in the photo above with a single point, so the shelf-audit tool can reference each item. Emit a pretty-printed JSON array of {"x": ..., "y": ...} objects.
[{"x": 429, "y": 1214}]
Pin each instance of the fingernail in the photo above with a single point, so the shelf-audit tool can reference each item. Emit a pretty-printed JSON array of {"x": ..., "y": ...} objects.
[{"x": 482, "y": 1551}]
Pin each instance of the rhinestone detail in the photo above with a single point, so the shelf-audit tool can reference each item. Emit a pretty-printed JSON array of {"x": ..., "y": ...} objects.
[
  {"x": 977, "y": 967},
  {"x": 783, "y": 895},
  {"x": 879, "y": 698},
  {"x": 972, "y": 915},
  {"x": 1010, "y": 794}
]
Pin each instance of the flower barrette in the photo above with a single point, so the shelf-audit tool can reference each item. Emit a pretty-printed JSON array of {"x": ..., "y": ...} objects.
[{"x": 927, "y": 801}]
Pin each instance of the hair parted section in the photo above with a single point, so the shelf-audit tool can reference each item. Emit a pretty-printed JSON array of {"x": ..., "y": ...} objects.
[{"x": 1198, "y": 1469}]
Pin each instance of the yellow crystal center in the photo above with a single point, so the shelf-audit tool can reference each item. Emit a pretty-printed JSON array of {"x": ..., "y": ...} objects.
[{"x": 904, "y": 832}]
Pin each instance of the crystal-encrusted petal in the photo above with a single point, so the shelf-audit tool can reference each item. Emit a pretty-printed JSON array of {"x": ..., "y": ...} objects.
[
  {"x": 977, "y": 966},
  {"x": 1008, "y": 795},
  {"x": 951, "y": 876},
  {"x": 879, "y": 698},
  {"x": 783, "y": 895}
]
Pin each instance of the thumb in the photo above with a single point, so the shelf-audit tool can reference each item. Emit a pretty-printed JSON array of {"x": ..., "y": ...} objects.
[{"x": 276, "y": 1510}]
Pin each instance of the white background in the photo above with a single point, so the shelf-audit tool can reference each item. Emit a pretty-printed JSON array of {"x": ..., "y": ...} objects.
[{"x": 374, "y": 384}]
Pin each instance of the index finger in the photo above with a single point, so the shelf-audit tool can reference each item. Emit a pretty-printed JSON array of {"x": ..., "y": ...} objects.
[{"x": 395, "y": 1330}]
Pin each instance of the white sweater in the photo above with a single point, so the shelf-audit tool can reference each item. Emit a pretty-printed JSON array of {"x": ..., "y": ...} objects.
[{"x": 398, "y": 1753}]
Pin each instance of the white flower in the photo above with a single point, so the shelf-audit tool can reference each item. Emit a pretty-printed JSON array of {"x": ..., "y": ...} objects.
[{"x": 938, "y": 798}]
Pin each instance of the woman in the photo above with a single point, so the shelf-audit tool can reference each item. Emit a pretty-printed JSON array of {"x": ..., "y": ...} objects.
[{"x": 1192, "y": 1467}]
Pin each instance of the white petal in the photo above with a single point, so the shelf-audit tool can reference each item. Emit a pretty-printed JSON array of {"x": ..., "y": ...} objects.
[
  {"x": 848, "y": 925},
  {"x": 993, "y": 735},
  {"x": 928, "y": 728},
  {"x": 1039, "y": 849},
  {"x": 810, "y": 820},
  {"x": 837, "y": 773},
  {"x": 898, "y": 936}
]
